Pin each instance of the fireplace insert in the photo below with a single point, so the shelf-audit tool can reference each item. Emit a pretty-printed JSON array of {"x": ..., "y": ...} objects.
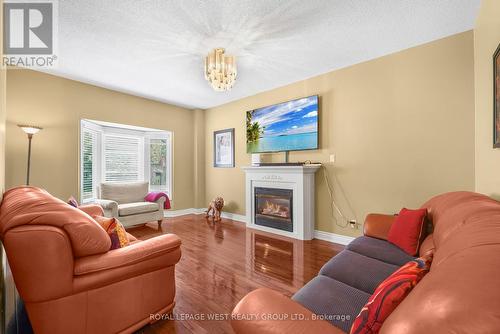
[{"x": 273, "y": 208}]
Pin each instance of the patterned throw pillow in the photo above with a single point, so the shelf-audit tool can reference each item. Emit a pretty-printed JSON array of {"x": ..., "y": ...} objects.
[
  {"x": 115, "y": 230},
  {"x": 73, "y": 202},
  {"x": 389, "y": 294}
]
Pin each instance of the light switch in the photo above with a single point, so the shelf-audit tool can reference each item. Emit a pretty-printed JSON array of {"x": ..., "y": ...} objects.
[{"x": 332, "y": 158}]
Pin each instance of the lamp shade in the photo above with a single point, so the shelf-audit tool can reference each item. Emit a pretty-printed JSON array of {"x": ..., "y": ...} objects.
[{"x": 30, "y": 129}]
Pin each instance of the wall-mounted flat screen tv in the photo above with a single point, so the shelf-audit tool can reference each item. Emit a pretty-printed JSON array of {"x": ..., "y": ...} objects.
[{"x": 287, "y": 126}]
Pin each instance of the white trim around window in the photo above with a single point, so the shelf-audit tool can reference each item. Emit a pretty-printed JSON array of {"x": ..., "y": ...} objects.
[{"x": 106, "y": 150}]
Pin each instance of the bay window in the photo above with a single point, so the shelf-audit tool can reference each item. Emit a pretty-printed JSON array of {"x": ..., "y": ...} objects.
[{"x": 119, "y": 153}]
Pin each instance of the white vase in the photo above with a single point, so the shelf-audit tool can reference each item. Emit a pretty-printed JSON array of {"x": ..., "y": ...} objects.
[{"x": 255, "y": 159}]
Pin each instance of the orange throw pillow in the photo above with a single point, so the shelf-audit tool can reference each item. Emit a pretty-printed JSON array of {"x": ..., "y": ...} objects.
[{"x": 115, "y": 230}]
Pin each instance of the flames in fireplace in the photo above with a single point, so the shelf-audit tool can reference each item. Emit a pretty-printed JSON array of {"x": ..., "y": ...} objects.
[{"x": 274, "y": 209}]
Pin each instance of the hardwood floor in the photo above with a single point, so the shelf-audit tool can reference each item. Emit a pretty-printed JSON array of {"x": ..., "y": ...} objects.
[{"x": 222, "y": 262}]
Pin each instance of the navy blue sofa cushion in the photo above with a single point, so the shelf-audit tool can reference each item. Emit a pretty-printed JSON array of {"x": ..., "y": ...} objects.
[
  {"x": 379, "y": 249},
  {"x": 338, "y": 302},
  {"x": 359, "y": 271}
]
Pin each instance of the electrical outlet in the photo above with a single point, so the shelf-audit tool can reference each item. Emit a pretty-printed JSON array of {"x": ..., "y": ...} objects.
[
  {"x": 332, "y": 158},
  {"x": 353, "y": 224}
]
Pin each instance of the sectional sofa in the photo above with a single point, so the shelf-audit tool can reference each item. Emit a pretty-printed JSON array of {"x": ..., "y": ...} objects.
[{"x": 460, "y": 294}]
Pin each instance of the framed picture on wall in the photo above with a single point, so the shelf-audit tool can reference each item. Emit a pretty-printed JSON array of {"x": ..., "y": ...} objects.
[
  {"x": 224, "y": 148},
  {"x": 496, "y": 98}
]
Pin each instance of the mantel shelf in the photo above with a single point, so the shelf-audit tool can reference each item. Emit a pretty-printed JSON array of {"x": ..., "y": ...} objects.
[{"x": 305, "y": 169}]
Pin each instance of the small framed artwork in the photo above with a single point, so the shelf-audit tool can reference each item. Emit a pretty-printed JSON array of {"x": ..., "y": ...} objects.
[
  {"x": 496, "y": 98},
  {"x": 224, "y": 148}
]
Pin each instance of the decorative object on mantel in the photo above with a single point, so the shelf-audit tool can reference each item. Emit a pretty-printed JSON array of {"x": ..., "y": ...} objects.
[
  {"x": 220, "y": 70},
  {"x": 496, "y": 98},
  {"x": 255, "y": 159},
  {"x": 215, "y": 206},
  {"x": 30, "y": 130},
  {"x": 224, "y": 148}
]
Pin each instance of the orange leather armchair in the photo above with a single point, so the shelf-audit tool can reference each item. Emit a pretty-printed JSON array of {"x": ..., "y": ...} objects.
[{"x": 69, "y": 279}]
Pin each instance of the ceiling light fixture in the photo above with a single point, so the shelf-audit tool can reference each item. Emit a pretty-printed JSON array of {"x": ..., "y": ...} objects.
[{"x": 220, "y": 70}]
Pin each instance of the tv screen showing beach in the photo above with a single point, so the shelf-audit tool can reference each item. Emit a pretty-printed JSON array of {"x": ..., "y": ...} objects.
[{"x": 288, "y": 126}]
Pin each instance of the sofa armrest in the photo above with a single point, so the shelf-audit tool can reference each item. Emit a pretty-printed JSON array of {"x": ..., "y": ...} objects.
[
  {"x": 108, "y": 205},
  {"x": 41, "y": 260},
  {"x": 378, "y": 225},
  {"x": 92, "y": 209},
  {"x": 130, "y": 255},
  {"x": 252, "y": 313}
]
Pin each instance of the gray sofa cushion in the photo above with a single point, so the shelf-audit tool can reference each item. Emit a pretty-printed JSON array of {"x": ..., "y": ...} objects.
[
  {"x": 379, "y": 249},
  {"x": 136, "y": 208},
  {"x": 359, "y": 271},
  {"x": 338, "y": 302}
]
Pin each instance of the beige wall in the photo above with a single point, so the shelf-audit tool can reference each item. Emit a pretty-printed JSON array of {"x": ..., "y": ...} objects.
[
  {"x": 7, "y": 288},
  {"x": 401, "y": 127},
  {"x": 58, "y": 104},
  {"x": 486, "y": 40},
  {"x": 199, "y": 158}
]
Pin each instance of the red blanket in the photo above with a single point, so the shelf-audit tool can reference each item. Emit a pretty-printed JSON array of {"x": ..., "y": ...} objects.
[{"x": 156, "y": 195}]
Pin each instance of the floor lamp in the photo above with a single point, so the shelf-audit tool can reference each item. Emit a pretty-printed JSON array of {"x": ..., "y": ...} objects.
[{"x": 30, "y": 130}]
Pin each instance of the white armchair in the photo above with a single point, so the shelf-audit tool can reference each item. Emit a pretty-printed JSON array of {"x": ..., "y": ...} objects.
[{"x": 125, "y": 201}]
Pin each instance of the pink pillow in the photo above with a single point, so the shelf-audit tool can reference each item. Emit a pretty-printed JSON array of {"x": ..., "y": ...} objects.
[{"x": 407, "y": 231}]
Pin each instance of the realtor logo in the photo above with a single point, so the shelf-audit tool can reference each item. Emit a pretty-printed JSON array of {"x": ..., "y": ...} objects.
[{"x": 29, "y": 30}]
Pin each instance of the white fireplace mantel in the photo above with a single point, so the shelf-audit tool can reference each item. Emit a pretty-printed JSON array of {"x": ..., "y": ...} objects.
[{"x": 300, "y": 179}]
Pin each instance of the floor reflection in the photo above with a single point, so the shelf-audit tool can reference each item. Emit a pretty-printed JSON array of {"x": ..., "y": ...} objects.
[
  {"x": 273, "y": 257},
  {"x": 276, "y": 257},
  {"x": 217, "y": 227}
]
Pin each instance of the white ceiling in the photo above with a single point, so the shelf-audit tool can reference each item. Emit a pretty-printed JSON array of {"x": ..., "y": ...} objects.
[{"x": 155, "y": 48}]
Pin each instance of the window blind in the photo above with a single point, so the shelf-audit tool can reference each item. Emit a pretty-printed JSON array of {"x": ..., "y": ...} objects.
[
  {"x": 89, "y": 163},
  {"x": 122, "y": 158}
]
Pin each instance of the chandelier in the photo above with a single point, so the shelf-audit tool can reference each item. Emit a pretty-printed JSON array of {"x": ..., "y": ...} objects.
[{"x": 220, "y": 70}]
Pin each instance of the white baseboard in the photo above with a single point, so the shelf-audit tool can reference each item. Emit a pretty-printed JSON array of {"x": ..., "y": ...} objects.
[
  {"x": 234, "y": 216},
  {"x": 199, "y": 211},
  {"x": 321, "y": 235},
  {"x": 332, "y": 237},
  {"x": 177, "y": 213}
]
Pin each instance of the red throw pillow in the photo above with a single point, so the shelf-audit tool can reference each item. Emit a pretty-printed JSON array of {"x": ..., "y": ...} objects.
[
  {"x": 407, "y": 230},
  {"x": 389, "y": 294}
]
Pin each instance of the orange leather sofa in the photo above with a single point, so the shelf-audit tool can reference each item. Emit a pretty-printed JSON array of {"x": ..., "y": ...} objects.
[
  {"x": 69, "y": 279},
  {"x": 460, "y": 294}
]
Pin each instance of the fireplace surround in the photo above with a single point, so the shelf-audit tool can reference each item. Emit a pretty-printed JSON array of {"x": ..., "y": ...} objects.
[{"x": 280, "y": 199}]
